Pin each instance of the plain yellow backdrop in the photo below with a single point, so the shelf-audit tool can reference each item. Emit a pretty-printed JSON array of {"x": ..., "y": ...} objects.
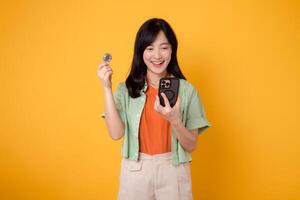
[{"x": 242, "y": 56}]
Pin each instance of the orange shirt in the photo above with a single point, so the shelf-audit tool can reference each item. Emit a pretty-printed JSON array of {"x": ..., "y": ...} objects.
[{"x": 154, "y": 131}]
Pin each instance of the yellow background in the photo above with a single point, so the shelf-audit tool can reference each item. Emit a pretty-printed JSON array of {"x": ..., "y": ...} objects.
[{"x": 242, "y": 56}]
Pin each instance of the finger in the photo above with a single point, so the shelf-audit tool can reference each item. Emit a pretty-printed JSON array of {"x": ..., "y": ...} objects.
[
  {"x": 102, "y": 65},
  {"x": 157, "y": 104},
  {"x": 167, "y": 104},
  {"x": 107, "y": 77},
  {"x": 178, "y": 101},
  {"x": 159, "y": 109},
  {"x": 106, "y": 66},
  {"x": 176, "y": 106},
  {"x": 105, "y": 69},
  {"x": 107, "y": 73},
  {"x": 101, "y": 68}
]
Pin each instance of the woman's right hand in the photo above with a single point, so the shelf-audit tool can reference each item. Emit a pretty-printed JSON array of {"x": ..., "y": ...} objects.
[{"x": 104, "y": 73}]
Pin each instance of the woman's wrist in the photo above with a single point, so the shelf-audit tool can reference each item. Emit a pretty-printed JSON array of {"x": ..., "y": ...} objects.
[
  {"x": 175, "y": 121},
  {"x": 107, "y": 89}
]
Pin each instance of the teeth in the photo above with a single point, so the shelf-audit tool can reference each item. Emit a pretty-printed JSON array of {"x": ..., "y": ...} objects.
[{"x": 157, "y": 63}]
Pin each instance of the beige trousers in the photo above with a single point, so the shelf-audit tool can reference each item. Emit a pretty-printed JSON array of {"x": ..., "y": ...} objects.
[{"x": 153, "y": 177}]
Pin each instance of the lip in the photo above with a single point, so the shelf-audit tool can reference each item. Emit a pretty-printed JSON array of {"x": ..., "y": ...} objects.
[{"x": 158, "y": 64}]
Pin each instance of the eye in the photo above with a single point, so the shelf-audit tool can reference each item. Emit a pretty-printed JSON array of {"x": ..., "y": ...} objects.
[
  {"x": 149, "y": 49},
  {"x": 165, "y": 47}
]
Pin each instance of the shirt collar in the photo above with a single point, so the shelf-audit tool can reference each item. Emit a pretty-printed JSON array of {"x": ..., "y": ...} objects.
[{"x": 145, "y": 87}]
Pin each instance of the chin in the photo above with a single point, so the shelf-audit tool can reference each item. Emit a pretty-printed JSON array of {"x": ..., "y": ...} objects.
[{"x": 158, "y": 71}]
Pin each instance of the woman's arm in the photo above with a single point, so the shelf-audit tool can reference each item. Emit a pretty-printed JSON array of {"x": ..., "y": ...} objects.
[
  {"x": 112, "y": 118},
  {"x": 187, "y": 138}
]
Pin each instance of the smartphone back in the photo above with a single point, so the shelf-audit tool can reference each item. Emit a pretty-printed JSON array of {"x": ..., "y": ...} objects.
[{"x": 170, "y": 87}]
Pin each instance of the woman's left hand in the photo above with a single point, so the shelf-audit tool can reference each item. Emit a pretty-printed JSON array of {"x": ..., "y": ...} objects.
[{"x": 169, "y": 113}]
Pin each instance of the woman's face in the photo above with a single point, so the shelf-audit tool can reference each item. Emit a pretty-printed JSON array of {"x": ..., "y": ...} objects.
[{"x": 158, "y": 55}]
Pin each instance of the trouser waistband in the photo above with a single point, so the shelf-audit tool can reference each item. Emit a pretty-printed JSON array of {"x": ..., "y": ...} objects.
[{"x": 163, "y": 156}]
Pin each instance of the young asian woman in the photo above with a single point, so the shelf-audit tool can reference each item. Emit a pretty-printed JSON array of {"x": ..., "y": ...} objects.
[{"x": 157, "y": 140}]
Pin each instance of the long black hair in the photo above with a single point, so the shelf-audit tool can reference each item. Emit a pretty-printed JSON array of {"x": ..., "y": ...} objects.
[{"x": 145, "y": 36}]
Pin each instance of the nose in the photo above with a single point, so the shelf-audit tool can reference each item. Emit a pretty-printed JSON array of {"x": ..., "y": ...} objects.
[{"x": 157, "y": 54}]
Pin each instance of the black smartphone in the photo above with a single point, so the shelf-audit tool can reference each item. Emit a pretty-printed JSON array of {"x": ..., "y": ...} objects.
[{"x": 170, "y": 87}]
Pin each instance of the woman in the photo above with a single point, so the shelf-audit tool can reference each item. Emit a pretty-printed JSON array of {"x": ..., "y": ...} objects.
[{"x": 158, "y": 140}]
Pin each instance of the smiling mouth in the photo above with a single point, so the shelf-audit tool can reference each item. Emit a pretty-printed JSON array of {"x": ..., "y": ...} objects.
[{"x": 157, "y": 63}]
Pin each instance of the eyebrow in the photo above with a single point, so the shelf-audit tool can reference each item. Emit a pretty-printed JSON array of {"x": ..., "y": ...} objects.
[{"x": 164, "y": 43}]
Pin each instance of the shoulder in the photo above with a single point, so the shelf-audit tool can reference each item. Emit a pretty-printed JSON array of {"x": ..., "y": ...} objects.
[
  {"x": 121, "y": 88},
  {"x": 187, "y": 86}
]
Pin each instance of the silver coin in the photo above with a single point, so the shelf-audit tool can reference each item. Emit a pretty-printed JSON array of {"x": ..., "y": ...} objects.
[{"x": 107, "y": 57}]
